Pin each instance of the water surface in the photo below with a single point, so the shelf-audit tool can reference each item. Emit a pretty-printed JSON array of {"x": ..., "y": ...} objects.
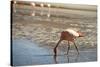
[{"x": 26, "y": 52}]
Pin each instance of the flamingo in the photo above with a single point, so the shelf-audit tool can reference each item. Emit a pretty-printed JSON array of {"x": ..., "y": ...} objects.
[
  {"x": 48, "y": 5},
  {"x": 69, "y": 35},
  {"x": 14, "y": 4},
  {"x": 42, "y": 5},
  {"x": 33, "y": 4}
]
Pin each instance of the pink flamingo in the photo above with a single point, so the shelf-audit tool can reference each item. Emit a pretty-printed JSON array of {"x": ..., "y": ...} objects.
[{"x": 69, "y": 35}]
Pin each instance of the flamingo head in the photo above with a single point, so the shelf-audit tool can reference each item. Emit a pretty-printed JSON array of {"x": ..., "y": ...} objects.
[{"x": 81, "y": 34}]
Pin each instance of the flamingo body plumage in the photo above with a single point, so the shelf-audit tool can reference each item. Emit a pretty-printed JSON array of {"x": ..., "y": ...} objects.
[{"x": 70, "y": 36}]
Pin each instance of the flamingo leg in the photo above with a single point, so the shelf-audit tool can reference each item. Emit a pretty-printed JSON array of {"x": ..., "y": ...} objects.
[
  {"x": 55, "y": 59},
  {"x": 76, "y": 48},
  {"x": 55, "y": 49},
  {"x": 68, "y": 48}
]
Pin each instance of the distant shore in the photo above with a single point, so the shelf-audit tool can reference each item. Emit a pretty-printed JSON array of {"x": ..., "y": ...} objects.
[{"x": 63, "y": 6}]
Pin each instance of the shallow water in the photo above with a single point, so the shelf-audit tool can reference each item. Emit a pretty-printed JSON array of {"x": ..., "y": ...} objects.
[{"x": 26, "y": 52}]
